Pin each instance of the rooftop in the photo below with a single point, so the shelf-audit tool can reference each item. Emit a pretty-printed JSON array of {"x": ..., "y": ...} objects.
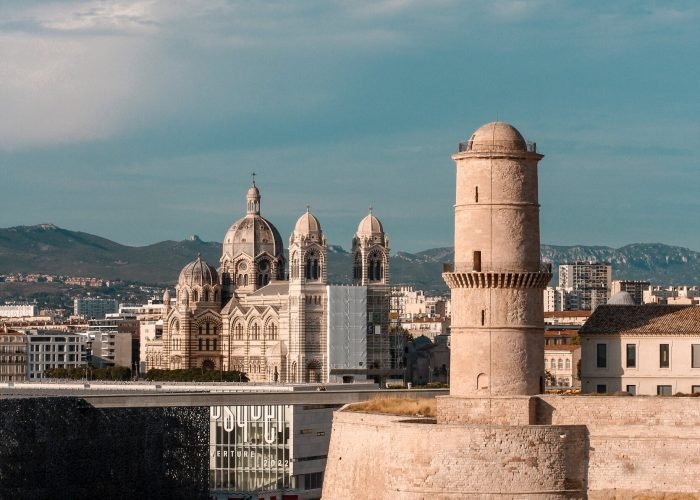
[{"x": 647, "y": 319}]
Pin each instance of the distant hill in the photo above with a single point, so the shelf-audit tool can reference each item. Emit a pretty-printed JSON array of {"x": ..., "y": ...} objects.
[{"x": 48, "y": 249}]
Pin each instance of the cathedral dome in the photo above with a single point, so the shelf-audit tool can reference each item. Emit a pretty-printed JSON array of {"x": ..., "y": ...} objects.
[
  {"x": 253, "y": 235},
  {"x": 370, "y": 226},
  {"x": 307, "y": 225},
  {"x": 198, "y": 273},
  {"x": 496, "y": 136}
]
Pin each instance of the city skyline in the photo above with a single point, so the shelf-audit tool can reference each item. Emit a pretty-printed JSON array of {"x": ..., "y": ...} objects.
[{"x": 141, "y": 121}]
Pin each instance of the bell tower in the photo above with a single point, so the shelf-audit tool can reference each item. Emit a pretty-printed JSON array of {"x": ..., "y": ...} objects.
[{"x": 498, "y": 278}]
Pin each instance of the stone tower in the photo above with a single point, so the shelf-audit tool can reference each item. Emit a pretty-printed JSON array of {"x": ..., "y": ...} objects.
[
  {"x": 370, "y": 257},
  {"x": 498, "y": 278},
  {"x": 307, "y": 301}
]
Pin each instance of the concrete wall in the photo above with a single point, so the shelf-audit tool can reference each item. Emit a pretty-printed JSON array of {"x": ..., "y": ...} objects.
[{"x": 379, "y": 457}]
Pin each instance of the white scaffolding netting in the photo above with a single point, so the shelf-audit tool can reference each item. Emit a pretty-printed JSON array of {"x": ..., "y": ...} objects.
[{"x": 347, "y": 327}]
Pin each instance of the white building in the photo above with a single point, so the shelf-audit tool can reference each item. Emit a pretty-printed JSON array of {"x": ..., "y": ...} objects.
[
  {"x": 592, "y": 279},
  {"x": 651, "y": 350},
  {"x": 672, "y": 295},
  {"x": 561, "y": 361},
  {"x": 53, "y": 349},
  {"x": 17, "y": 311},
  {"x": 269, "y": 451}
]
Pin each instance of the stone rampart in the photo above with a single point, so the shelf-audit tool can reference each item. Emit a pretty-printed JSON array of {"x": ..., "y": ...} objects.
[
  {"x": 574, "y": 447},
  {"x": 378, "y": 456}
]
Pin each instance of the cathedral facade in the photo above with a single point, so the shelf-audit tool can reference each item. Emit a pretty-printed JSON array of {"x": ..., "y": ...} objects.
[{"x": 254, "y": 316}]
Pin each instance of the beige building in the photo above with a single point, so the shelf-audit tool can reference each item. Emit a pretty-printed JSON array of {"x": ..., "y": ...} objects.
[
  {"x": 13, "y": 356},
  {"x": 254, "y": 317},
  {"x": 560, "y": 363},
  {"x": 653, "y": 350}
]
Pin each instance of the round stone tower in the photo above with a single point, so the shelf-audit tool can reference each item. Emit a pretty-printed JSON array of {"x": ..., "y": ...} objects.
[{"x": 497, "y": 280}]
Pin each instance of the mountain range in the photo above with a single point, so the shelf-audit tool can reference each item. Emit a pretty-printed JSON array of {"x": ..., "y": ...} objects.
[{"x": 48, "y": 249}]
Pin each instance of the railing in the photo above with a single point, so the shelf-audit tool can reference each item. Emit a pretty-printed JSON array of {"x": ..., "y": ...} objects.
[
  {"x": 495, "y": 146},
  {"x": 469, "y": 267}
]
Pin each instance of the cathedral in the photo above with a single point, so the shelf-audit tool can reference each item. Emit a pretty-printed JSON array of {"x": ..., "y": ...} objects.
[{"x": 255, "y": 316}]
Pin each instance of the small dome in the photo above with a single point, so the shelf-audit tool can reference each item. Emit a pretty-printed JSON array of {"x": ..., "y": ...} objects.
[
  {"x": 198, "y": 272},
  {"x": 370, "y": 226},
  {"x": 307, "y": 224},
  {"x": 621, "y": 299},
  {"x": 253, "y": 191},
  {"x": 496, "y": 136},
  {"x": 166, "y": 297}
]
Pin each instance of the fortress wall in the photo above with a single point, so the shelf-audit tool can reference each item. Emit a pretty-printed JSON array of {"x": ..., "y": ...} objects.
[
  {"x": 642, "y": 445},
  {"x": 638, "y": 444},
  {"x": 379, "y": 456},
  {"x": 515, "y": 410}
]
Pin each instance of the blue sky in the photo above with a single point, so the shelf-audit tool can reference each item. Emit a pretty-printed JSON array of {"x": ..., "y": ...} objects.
[{"x": 142, "y": 120}]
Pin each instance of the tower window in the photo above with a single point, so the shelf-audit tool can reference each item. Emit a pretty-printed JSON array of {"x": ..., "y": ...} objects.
[
  {"x": 312, "y": 267},
  {"x": 477, "y": 261},
  {"x": 476, "y": 194},
  {"x": 483, "y": 317}
]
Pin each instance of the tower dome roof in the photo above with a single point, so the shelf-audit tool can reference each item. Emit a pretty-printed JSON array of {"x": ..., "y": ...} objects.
[
  {"x": 370, "y": 226},
  {"x": 307, "y": 224},
  {"x": 496, "y": 136},
  {"x": 621, "y": 298},
  {"x": 198, "y": 272}
]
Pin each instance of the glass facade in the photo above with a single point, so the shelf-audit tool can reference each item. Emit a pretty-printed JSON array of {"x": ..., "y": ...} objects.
[{"x": 249, "y": 448}]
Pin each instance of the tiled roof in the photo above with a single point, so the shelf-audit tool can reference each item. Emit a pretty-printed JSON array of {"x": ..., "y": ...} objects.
[
  {"x": 647, "y": 319},
  {"x": 560, "y": 333},
  {"x": 567, "y": 314}
]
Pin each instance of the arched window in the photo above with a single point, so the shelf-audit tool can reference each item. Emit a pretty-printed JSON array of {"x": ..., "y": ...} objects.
[
  {"x": 255, "y": 332},
  {"x": 216, "y": 296},
  {"x": 271, "y": 332},
  {"x": 568, "y": 364},
  {"x": 295, "y": 266},
  {"x": 201, "y": 330},
  {"x": 264, "y": 269},
  {"x": 206, "y": 295},
  {"x": 242, "y": 274},
  {"x": 560, "y": 364},
  {"x": 207, "y": 344},
  {"x": 238, "y": 331},
  {"x": 201, "y": 341},
  {"x": 215, "y": 342},
  {"x": 375, "y": 267},
  {"x": 357, "y": 267},
  {"x": 312, "y": 266},
  {"x": 553, "y": 364}
]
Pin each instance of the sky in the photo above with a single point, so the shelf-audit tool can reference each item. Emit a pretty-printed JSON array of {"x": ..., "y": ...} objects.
[{"x": 143, "y": 120}]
